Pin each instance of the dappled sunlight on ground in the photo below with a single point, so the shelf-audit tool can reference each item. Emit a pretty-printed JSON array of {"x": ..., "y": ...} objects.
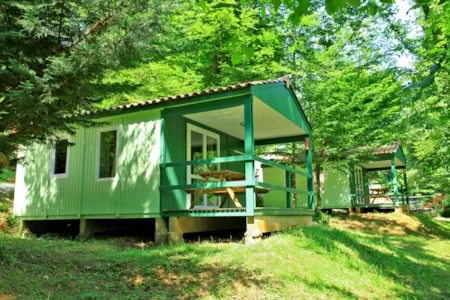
[
  {"x": 353, "y": 258},
  {"x": 393, "y": 224}
]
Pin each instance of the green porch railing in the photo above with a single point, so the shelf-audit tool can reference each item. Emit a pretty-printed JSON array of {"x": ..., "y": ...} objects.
[{"x": 248, "y": 183}]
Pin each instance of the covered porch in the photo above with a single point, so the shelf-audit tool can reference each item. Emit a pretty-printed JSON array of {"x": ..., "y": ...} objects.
[
  {"x": 208, "y": 163},
  {"x": 380, "y": 181}
]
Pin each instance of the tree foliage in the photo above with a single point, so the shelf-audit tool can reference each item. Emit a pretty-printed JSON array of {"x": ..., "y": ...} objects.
[
  {"x": 54, "y": 55},
  {"x": 65, "y": 56}
]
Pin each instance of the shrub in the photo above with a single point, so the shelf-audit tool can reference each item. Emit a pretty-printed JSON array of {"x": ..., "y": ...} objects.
[
  {"x": 321, "y": 218},
  {"x": 4, "y": 207},
  {"x": 445, "y": 212}
]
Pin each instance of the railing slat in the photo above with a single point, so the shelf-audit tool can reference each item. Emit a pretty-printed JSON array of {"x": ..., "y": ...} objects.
[
  {"x": 217, "y": 160},
  {"x": 207, "y": 185},
  {"x": 282, "y": 188},
  {"x": 283, "y": 167}
]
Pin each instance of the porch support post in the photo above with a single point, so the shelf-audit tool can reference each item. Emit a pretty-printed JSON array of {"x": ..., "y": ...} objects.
[
  {"x": 394, "y": 181},
  {"x": 162, "y": 160},
  {"x": 406, "y": 186},
  {"x": 288, "y": 184},
  {"x": 351, "y": 167},
  {"x": 309, "y": 172},
  {"x": 249, "y": 145}
]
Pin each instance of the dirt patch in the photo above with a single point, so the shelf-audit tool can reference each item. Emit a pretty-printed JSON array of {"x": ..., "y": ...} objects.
[{"x": 396, "y": 224}]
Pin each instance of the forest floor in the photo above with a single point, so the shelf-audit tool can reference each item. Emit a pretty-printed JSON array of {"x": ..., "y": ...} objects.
[{"x": 370, "y": 256}]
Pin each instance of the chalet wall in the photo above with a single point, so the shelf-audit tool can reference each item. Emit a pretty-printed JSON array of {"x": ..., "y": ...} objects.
[{"x": 135, "y": 193}]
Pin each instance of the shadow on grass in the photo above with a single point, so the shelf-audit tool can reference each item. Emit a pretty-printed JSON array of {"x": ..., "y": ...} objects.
[
  {"x": 407, "y": 262},
  {"x": 433, "y": 226},
  {"x": 93, "y": 270}
]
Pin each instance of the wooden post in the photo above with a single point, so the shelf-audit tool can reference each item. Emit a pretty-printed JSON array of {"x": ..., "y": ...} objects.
[
  {"x": 309, "y": 172},
  {"x": 394, "y": 181},
  {"x": 288, "y": 184},
  {"x": 249, "y": 145}
]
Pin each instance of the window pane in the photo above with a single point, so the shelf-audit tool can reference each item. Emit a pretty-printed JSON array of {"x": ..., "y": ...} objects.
[
  {"x": 107, "y": 165},
  {"x": 196, "y": 151},
  {"x": 212, "y": 152},
  {"x": 61, "y": 147}
]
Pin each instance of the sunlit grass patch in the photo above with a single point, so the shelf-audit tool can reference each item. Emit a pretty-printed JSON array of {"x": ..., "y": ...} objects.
[{"x": 322, "y": 262}]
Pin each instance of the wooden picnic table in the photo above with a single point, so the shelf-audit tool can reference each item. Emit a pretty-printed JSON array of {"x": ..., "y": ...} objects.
[
  {"x": 224, "y": 176},
  {"x": 379, "y": 193}
]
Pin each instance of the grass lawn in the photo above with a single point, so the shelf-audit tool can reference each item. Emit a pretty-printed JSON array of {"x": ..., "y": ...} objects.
[{"x": 372, "y": 256}]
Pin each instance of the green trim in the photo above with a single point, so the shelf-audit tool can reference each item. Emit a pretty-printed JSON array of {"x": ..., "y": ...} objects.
[
  {"x": 351, "y": 167},
  {"x": 172, "y": 103},
  {"x": 394, "y": 181},
  {"x": 259, "y": 211},
  {"x": 309, "y": 171},
  {"x": 294, "y": 96},
  {"x": 88, "y": 216},
  {"x": 283, "y": 167},
  {"x": 162, "y": 159},
  {"x": 282, "y": 140},
  {"x": 205, "y": 186},
  {"x": 383, "y": 169},
  {"x": 287, "y": 178},
  {"x": 282, "y": 188},
  {"x": 205, "y": 106},
  {"x": 224, "y": 159},
  {"x": 267, "y": 211},
  {"x": 206, "y": 213},
  {"x": 249, "y": 146},
  {"x": 400, "y": 155},
  {"x": 376, "y": 205},
  {"x": 123, "y": 216},
  {"x": 268, "y": 85},
  {"x": 405, "y": 181}
]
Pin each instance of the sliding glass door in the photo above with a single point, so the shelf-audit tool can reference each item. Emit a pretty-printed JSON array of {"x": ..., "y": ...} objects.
[{"x": 202, "y": 144}]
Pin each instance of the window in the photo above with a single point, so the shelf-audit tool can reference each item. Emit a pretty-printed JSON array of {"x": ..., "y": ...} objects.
[
  {"x": 202, "y": 144},
  {"x": 59, "y": 163},
  {"x": 107, "y": 154}
]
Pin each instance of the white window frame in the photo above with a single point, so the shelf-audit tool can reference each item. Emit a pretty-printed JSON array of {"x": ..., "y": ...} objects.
[
  {"x": 359, "y": 180},
  {"x": 53, "y": 157},
  {"x": 97, "y": 159},
  {"x": 204, "y": 132}
]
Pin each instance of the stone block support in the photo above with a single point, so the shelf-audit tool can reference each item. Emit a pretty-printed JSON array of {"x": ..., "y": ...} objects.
[
  {"x": 402, "y": 209},
  {"x": 86, "y": 228},
  {"x": 161, "y": 231},
  {"x": 175, "y": 235},
  {"x": 359, "y": 210},
  {"x": 253, "y": 235}
]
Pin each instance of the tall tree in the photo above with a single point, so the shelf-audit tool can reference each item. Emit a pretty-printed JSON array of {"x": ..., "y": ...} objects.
[{"x": 54, "y": 54}]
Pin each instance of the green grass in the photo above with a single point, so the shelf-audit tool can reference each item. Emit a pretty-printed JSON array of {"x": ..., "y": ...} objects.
[{"x": 352, "y": 258}]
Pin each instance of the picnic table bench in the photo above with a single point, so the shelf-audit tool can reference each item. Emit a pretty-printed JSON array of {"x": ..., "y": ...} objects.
[{"x": 223, "y": 176}]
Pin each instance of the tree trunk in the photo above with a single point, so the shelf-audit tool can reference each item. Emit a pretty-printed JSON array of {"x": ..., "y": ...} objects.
[{"x": 317, "y": 170}]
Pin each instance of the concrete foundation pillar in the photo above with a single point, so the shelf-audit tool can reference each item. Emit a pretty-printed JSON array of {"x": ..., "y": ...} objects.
[
  {"x": 175, "y": 235},
  {"x": 161, "y": 231},
  {"x": 86, "y": 228},
  {"x": 359, "y": 210},
  {"x": 402, "y": 209},
  {"x": 253, "y": 235}
]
